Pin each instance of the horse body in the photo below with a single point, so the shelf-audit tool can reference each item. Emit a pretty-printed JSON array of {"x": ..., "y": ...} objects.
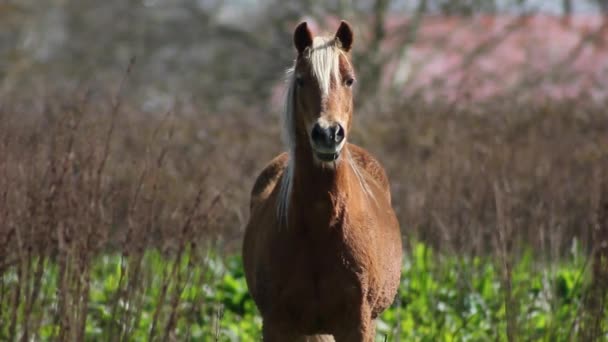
[{"x": 328, "y": 262}]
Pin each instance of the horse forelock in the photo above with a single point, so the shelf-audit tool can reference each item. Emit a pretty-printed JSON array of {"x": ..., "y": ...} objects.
[{"x": 324, "y": 57}]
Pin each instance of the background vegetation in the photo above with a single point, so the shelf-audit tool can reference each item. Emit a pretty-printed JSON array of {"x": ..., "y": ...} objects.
[{"x": 124, "y": 181}]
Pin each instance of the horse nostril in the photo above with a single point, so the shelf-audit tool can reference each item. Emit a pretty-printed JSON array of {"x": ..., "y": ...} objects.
[
  {"x": 317, "y": 133},
  {"x": 338, "y": 133}
]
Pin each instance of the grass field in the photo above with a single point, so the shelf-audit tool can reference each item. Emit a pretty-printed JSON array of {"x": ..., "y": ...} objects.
[
  {"x": 183, "y": 297},
  {"x": 116, "y": 226}
]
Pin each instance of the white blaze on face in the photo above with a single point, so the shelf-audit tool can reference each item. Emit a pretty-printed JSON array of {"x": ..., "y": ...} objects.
[{"x": 324, "y": 57}]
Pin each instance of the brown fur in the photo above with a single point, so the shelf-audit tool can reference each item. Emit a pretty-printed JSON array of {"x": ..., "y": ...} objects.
[{"x": 336, "y": 265}]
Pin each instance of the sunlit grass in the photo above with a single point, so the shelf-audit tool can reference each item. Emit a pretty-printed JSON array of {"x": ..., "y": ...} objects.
[{"x": 441, "y": 298}]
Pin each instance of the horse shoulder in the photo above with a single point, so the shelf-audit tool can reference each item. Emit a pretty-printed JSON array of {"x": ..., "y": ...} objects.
[
  {"x": 268, "y": 179},
  {"x": 371, "y": 165},
  {"x": 386, "y": 271},
  {"x": 257, "y": 233}
]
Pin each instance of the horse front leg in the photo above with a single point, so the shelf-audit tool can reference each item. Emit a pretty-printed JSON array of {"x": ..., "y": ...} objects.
[
  {"x": 273, "y": 332},
  {"x": 360, "y": 328}
]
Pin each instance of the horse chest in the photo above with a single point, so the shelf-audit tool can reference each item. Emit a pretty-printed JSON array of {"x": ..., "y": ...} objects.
[{"x": 315, "y": 281}]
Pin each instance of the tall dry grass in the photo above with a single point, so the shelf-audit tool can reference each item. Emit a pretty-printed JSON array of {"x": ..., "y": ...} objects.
[
  {"x": 78, "y": 180},
  {"x": 514, "y": 175},
  {"x": 89, "y": 174}
]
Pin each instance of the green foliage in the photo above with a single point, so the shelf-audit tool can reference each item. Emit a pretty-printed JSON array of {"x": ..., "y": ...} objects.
[{"x": 441, "y": 298}]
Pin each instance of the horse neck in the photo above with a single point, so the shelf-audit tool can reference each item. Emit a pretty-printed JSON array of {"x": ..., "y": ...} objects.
[{"x": 320, "y": 192}]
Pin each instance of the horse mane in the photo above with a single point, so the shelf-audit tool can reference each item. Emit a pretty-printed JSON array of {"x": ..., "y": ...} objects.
[
  {"x": 324, "y": 56},
  {"x": 289, "y": 139}
]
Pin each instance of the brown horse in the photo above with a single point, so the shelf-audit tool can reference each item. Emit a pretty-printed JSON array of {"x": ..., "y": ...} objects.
[{"x": 322, "y": 250}]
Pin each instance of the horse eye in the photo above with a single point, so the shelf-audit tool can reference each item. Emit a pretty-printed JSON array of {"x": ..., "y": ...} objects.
[
  {"x": 299, "y": 81},
  {"x": 349, "y": 81}
]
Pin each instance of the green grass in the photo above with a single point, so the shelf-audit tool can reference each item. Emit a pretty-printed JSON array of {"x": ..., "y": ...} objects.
[{"x": 441, "y": 298}]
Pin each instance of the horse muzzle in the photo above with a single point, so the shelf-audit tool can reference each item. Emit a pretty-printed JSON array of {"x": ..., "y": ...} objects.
[{"x": 327, "y": 142}]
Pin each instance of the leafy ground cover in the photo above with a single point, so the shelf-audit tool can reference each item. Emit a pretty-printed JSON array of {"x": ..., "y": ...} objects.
[{"x": 177, "y": 297}]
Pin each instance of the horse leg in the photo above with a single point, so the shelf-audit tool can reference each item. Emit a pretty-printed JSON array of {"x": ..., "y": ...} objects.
[
  {"x": 271, "y": 332},
  {"x": 360, "y": 329},
  {"x": 361, "y": 333},
  {"x": 356, "y": 335},
  {"x": 316, "y": 338}
]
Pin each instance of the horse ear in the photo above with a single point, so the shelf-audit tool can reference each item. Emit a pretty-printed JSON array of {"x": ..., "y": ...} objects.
[
  {"x": 302, "y": 38},
  {"x": 345, "y": 35}
]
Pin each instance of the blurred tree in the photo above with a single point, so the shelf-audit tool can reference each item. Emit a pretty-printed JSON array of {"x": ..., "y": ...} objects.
[
  {"x": 603, "y": 5},
  {"x": 466, "y": 7},
  {"x": 213, "y": 53},
  {"x": 567, "y": 11},
  {"x": 567, "y": 6},
  {"x": 201, "y": 50}
]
